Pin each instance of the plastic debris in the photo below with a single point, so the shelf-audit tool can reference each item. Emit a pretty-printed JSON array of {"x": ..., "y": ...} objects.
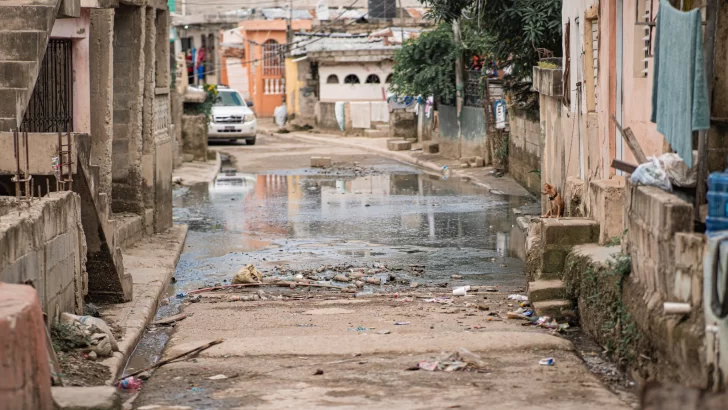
[
  {"x": 180, "y": 295},
  {"x": 521, "y": 298},
  {"x": 129, "y": 383},
  {"x": 217, "y": 377},
  {"x": 195, "y": 298},
  {"x": 549, "y": 361},
  {"x": 92, "y": 326},
  {"x": 441, "y": 299},
  {"x": 360, "y": 329},
  {"x": 461, "y": 359},
  {"x": 248, "y": 274},
  {"x": 521, "y": 313},
  {"x": 461, "y": 291},
  {"x": 401, "y": 323}
]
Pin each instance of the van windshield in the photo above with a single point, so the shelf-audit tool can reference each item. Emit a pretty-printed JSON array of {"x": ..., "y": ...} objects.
[{"x": 228, "y": 99}]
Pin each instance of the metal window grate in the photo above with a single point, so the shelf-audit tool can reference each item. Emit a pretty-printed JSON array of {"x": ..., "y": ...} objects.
[
  {"x": 273, "y": 58},
  {"x": 473, "y": 89},
  {"x": 50, "y": 108}
]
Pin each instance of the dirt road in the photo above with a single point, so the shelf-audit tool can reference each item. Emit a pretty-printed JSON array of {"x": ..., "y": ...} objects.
[{"x": 415, "y": 234}]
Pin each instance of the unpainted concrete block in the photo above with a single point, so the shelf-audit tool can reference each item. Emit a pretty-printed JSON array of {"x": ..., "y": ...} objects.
[
  {"x": 569, "y": 231},
  {"x": 376, "y": 133},
  {"x": 320, "y": 162},
  {"x": 479, "y": 162},
  {"x": 430, "y": 147},
  {"x": 86, "y": 398},
  {"x": 399, "y": 145},
  {"x": 542, "y": 290},
  {"x": 555, "y": 309}
]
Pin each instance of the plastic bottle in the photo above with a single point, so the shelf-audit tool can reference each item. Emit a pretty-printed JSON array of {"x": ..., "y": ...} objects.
[{"x": 717, "y": 202}]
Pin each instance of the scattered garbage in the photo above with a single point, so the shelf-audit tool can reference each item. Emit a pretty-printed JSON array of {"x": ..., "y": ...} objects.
[
  {"x": 318, "y": 372},
  {"x": 129, "y": 383},
  {"x": 440, "y": 299},
  {"x": 520, "y": 313},
  {"x": 549, "y": 361},
  {"x": 195, "y": 298},
  {"x": 217, "y": 377},
  {"x": 652, "y": 173},
  {"x": 360, "y": 329},
  {"x": 461, "y": 291},
  {"x": 196, "y": 389},
  {"x": 461, "y": 359},
  {"x": 102, "y": 341},
  {"x": 384, "y": 332},
  {"x": 456, "y": 276},
  {"x": 521, "y": 298},
  {"x": 401, "y": 323},
  {"x": 248, "y": 274}
]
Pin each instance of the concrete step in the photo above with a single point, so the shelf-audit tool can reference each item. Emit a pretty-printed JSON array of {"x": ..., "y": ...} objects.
[
  {"x": 558, "y": 236},
  {"x": 376, "y": 133},
  {"x": 129, "y": 229},
  {"x": 542, "y": 290},
  {"x": 399, "y": 145},
  {"x": 383, "y": 127},
  {"x": 559, "y": 309}
]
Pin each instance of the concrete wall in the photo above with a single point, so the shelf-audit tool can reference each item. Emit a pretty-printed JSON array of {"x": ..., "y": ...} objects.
[
  {"x": 43, "y": 244},
  {"x": 129, "y": 40},
  {"x": 101, "y": 96},
  {"x": 326, "y": 117},
  {"x": 194, "y": 137},
  {"x": 666, "y": 267},
  {"x": 448, "y": 131},
  {"x": 354, "y": 92},
  {"x": 403, "y": 124},
  {"x": 524, "y": 150},
  {"x": 473, "y": 132}
]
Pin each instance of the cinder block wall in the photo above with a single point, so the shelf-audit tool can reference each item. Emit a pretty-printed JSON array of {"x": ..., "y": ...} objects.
[
  {"x": 666, "y": 267},
  {"x": 524, "y": 150},
  {"x": 43, "y": 244}
]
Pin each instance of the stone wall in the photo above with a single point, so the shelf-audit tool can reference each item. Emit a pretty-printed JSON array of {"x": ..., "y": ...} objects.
[
  {"x": 524, "y": 150},
  {"x": 43, "y": 244},
  {"x": 194, "y": 137}
]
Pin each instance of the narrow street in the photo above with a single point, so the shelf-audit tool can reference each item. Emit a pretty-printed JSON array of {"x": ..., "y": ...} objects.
[{"x": 316, "y": 347}]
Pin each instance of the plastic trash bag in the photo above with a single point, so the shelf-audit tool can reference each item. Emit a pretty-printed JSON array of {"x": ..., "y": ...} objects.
[
  {"x": 678, "y": 171},
  {"x": 652, "y": 173},
  {"x": 280, "y": 114}
]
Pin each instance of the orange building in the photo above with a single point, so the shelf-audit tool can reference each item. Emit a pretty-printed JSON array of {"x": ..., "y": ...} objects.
[{"x": 264, "y": 45}]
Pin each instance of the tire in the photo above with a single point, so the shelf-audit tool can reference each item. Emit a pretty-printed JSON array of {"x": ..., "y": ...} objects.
[
  {"x": 233, "y": 141},
  {"x": 250, "y": 141}
]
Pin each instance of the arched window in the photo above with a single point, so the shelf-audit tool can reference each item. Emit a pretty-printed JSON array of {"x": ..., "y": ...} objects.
[
  {"x": 351, "y": 79},
  {"x": 389, "y": 79},
  {"x": 332, "y": 79},
  {"x": 372, "y": 79}
]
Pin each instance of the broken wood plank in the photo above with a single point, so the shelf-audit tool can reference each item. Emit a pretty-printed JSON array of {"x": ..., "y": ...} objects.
[
  {"x": 631, "y": 142},
  {"x": 179, "y": 356},
  {"x": 623, "y": 166},
  {"x": 171, "y": 319}
]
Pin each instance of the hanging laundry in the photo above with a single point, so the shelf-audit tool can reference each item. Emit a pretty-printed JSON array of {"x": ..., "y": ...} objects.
[{"x": 680, "y": 102}]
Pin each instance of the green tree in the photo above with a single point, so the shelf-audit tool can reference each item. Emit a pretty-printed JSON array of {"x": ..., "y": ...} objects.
[
  {"x": 426, "y": 65},
  {"x": 505, "y": 30}
]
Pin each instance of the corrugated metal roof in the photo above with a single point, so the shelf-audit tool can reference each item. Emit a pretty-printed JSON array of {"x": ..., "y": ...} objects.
[
  {"x": 342, "y": 42},
  {"x": 279, "y": 13}
]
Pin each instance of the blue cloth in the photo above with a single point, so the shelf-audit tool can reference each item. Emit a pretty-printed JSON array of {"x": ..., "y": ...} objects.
[
  {"x": 201, "y": 72},
  {"x": 680, "y": 103}
]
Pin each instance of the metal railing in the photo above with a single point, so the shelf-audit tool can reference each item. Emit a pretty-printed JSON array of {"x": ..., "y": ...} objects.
[{"x": 50, "y": 108}]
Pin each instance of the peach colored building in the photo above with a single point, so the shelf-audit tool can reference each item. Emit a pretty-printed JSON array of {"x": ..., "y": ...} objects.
[{"x": 263, "y": 60}]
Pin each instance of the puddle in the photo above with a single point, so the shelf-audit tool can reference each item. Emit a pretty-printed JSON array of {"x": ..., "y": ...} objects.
[{"x": 391, "y": 215}]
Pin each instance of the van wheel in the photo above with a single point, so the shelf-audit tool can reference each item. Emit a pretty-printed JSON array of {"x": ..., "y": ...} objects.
[{"x": 250, "y": 141}]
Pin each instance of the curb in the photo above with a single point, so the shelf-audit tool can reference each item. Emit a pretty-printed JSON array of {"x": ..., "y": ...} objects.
[{"x": 144, "y": 306}]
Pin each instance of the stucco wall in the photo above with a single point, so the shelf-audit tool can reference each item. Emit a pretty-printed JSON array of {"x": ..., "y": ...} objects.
[
  {"x": 473, "y": 132},
  {"x": 448, "y": 131},
  {"x": 524, "y": 151},
  {"x": 354, "y": 92},
  {"x": 44, "y": 244},
  {"x": 194, "y": 137}
]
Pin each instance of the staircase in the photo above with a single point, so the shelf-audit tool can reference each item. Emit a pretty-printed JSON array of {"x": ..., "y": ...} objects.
[
  {"x": 546, "y": 289},
  {"x": 25, "y": 27}
]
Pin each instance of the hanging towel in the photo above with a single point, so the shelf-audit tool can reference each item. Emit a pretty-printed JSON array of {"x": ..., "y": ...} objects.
[
  {"x": 339, "y": 112},
  {"x": 679, "y": 90},
  {"x": 361, "y": 115}
]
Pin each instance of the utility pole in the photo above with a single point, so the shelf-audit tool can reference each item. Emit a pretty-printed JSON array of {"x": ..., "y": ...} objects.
[
  {"x": 459, "y": 85},
  {"x": 289, "y": 30}
]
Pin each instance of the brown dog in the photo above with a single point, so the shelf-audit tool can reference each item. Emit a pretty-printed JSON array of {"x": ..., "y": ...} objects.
[{"x": 556, "y": 203}]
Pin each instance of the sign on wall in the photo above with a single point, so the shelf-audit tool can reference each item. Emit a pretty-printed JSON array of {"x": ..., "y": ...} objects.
[{"x": 499, "y": 106}]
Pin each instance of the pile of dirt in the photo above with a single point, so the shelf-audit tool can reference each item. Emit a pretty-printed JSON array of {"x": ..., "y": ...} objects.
[{"x": 78, "y": 370}]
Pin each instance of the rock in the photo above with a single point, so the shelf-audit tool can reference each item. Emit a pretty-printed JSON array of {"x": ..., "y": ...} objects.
[
  {"x": 414, "y": 285},
  {"x": 373, "y": 281},
  {"x": 86, "y": 398},
  {"x": 341, "y": 278},
  {"x": 359, "y": 284},
  {"x": 92, "y": 356}
]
